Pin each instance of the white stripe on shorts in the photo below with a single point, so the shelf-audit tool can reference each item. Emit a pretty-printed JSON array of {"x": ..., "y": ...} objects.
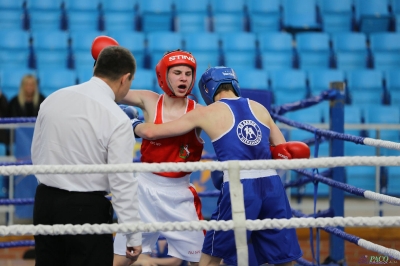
[{"x": 251, "y": 174}]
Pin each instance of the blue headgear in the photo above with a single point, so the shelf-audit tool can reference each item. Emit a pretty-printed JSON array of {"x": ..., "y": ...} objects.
[{"x": 215, "y": 76}]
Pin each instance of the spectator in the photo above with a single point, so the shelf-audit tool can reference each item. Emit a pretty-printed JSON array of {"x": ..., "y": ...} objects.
[{"x": 28, "y": 100}]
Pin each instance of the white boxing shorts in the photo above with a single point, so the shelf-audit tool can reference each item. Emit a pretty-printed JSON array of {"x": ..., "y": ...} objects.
[{"x": 163, "y": 199}]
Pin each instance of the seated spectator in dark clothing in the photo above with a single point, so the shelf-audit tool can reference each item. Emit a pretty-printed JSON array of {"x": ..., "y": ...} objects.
[{"x": 28, "y": 100}]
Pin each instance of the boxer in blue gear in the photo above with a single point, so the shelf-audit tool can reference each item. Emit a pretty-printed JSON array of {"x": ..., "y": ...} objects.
[{"x": 240, "y": 129}]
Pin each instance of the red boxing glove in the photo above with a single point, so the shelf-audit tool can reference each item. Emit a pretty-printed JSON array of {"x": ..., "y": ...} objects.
[
  {"x": 101, "y": 42},
  {"x": 290, "y": 150}
]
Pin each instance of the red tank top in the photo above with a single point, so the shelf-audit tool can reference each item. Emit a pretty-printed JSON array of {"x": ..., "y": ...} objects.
[{"x": 183, "y": 148}]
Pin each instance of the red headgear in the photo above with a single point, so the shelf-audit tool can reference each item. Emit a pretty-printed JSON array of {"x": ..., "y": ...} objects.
[
  {"x": 170, "y": 59},
  {"x": 101, "y": 42}
]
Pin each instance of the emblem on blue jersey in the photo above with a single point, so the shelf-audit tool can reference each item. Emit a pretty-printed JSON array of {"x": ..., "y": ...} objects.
[{"x": 249, "y": 132}]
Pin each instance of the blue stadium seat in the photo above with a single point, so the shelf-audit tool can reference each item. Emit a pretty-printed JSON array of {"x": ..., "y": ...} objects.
[
  {"x": 79, "y": 5},
  {"x": 81, "y": 40},
  {"x": 315, "y": 114},
  {"x": 157, "y": 48},
  {"x": 392, "y": 78},
  {"x": 119, "y": 5},
  {"x": 191, "y": 7},
  {"x": 228, "y": 6},
  {"x": 192, "y": 16},
  {"x": 14, "y": 48},
  {"x": 11, "y": 19},
  {"x": 132, "y": 40},
  {"x": 350, "y": 50},
  {"x": 144, "y": 80},
  {"x": 276, "y": 50},
  {"x": 252, "y": 78},
  {"x": 361, "y": 176},
  {"x": 288, "y": 85},
  {"x": 45, "y": 20},
  {"x": 118, "y": 20},
  {"x": 395, "y": 5},
  {"x": 83, "y": 20},
  {"x": 300, "y": 14},
  {"x": 44, "y": 5},
  {"x": 83, "y": 15},
  {"x": 204, "y": 46},
  {"x": 83, "y": 60},
  {"x": 52, "y": 79},
  {"x": 11, "y": 80},
  {"x": 393, "y": 187},
  {"x": 192, "y": 22},
  {"x": 227, "y": 22},
  {"x": 319, "y": 79},
  {"x": 299, "y": 134},
  {"x": 313, "y": 50},
  {"x": 51, "y": 48},
  {"x": 264, "y": 15},
  {"x": 336, "y": 15},
  {"x": 365, "y": 86},
  {"x": 228, "y": 15},
  {"x": 84, "y": 74},
  {"x": 353, "y": 115},
  {"x": 238, "y": 52},
  {"x": 3, "y": 152},
  {"x": 372, "y": 15},
  {"x": 156, "y": 15},
  {"x": 81, "y": 43},
  {"x": 11, "y": 4},
  {"x": 384, "y": 115},
  {"x": 385, "y": 48}
]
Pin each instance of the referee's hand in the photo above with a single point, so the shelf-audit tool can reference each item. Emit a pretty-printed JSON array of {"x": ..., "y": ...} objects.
[{"x": 133, "y": 253}]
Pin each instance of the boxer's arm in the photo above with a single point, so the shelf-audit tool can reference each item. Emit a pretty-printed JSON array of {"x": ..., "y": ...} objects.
[
  {"x": 184, "y": 124},
  {"x": 139, "y": 98}
]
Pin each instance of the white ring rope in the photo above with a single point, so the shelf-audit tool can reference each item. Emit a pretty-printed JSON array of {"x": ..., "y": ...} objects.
[
  {"x": 382, "y": 143},
  {"x": 252, "y": 225},
  {"x": 326, "y": 162},
  {"x": 392, "y": 253},
  {"x": 368, "y": 194}
]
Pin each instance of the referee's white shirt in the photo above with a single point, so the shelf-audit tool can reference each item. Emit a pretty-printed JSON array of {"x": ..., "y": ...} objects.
[{"x": 82, "y": 124}]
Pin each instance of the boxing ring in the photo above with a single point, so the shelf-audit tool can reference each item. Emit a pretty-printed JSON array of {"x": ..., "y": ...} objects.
[{"x": 331, "y": 220}]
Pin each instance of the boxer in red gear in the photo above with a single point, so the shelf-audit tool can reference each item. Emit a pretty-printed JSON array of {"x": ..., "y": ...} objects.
[
  {"x": 290, "y": 150},
  {"x": 176, "y": 76}
]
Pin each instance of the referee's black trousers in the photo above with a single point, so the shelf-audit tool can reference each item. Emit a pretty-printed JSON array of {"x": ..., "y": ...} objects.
[{"x": 57, "y": 206}]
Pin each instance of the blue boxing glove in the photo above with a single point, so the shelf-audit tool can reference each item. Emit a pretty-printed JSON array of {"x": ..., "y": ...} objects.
[
  {"x": 217, "y": 178},
  {"x": 133, "y": 114}
]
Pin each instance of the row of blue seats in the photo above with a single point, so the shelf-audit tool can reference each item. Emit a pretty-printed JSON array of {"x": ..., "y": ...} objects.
[
  {"x": 265, "y": 50},
  {"x": 363, "y": 86},
  {"x": 232, "y": 15}
]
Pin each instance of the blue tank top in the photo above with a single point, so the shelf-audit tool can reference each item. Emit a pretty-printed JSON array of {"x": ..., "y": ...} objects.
[{"x": 247, "y": 139}]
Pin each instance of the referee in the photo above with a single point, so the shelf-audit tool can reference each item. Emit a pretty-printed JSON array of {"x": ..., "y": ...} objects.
[{"x": 80, "y": 125}]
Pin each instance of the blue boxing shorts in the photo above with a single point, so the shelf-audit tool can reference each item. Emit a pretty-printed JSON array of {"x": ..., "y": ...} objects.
[{"x": 264, "y": 198}]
